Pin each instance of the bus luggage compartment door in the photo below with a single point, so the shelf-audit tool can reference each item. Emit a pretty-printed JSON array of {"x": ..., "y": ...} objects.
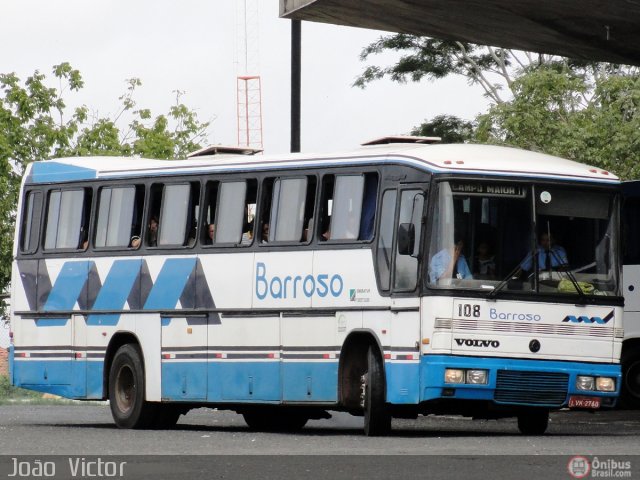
[{"x": 184, "y": 358}]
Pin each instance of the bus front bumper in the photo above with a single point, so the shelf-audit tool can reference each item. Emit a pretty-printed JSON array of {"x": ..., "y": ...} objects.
[{"x": 516, "y": 382}]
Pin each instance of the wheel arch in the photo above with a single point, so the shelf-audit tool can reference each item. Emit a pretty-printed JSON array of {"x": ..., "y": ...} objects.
[
  {"x": 353, "y": 364},
  {"x": 118, "y": 340}
]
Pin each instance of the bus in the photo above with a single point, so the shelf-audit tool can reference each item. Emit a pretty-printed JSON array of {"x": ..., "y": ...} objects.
[
  {"x": 391, "y": 281},
  {"x": 630, "y": 358}
]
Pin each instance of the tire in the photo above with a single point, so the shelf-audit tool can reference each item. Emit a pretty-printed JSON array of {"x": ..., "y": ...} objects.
[
  {"x": 275, "y": 420},
  {"x": 377, "y": 419},
  {"x": 534, "y": 421},
  {"x": 630, "y": 391},
  {"x": 127, "y": 390}
]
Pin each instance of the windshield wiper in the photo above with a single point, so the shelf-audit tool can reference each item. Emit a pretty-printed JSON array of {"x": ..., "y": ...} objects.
[
  {"x": 492, "y": 294},
  {"x": 571, "y": 276}
]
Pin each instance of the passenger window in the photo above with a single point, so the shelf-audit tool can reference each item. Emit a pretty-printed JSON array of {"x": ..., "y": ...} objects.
[
  {"x": 289, "y": 210},
  {"x": 208, "y": 229},
  {"x": 349, "y": 206},
  {"x": 119, "y": 216},
  {"x": 68, "y": 219},
  {"x": 385, "y": 239},
  {"x": 30, "y": 228},
  {"x": 173, "y": 216},
  {"x": 234, "y": 210}
]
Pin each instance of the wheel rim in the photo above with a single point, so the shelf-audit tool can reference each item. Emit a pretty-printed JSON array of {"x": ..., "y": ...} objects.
[
  {"x": 125, "y": 389},
  {"x": 632, "y": 379}
]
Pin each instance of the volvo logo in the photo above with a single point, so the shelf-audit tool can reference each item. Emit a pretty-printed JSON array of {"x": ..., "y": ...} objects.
[
  {"x": 469, "y": 342},
  {"x": 534, "y": 346}
]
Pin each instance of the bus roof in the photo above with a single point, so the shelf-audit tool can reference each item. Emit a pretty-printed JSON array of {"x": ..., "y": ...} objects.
[{"x": 437, "y": 158}]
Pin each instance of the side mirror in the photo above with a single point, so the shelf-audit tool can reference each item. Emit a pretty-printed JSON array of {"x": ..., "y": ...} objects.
[{"x": 406, "y": 238}]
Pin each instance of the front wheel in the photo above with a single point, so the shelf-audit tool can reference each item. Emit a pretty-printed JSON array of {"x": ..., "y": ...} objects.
[
  {"x": 126, "y": 389},
  {"x": 534, "y": 421},
  {"x": 377, "y": 419}
]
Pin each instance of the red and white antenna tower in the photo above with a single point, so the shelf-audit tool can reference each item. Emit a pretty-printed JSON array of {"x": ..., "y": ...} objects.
[{"x": 249, "y": 86}]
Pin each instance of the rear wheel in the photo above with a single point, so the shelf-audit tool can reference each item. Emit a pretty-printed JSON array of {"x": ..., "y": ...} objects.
[
  {"x": 126, "y": 389},
  {"x": 377, "y": 419},
  {"x": 630, "y": 392},
  {"x": 534, "y": 421}
]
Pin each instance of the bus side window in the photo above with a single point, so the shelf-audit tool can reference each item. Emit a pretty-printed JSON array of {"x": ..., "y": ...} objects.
[
  {"x": 230, "y": 213},
  {"x": 68, "y": 213},
  {"x": 346, "y": 208},
  {"x": 385, "y": 238},
  {"x": 369, "y": 200},
  {"x": 406, "y": 266},
  {"x": 208, "y": 226},
  {"x": 289, "y": 213},
  {"x": 30, "y": 228},
  {"x": 119, "y": 216},
  {"x": 177, "y": 214}
]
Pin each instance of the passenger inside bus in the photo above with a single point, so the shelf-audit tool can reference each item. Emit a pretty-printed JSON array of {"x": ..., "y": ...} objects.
[
  {"x": 265, "y": 232},
  {"x": 211, "y": 233},
  {"x": 485, "y": 261},
  {"x": 134, "y": 242},
  {"x": 549, "y": 255},
  {"x": 153, "y": 231},
  {"x": 449, "y": 263}
]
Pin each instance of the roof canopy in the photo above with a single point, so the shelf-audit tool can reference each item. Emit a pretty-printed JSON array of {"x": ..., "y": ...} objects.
[{"x": 606, "y": 31}]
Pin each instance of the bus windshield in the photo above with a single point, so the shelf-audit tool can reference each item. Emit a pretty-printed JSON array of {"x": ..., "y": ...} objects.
[{"x": 530, "y": 239}]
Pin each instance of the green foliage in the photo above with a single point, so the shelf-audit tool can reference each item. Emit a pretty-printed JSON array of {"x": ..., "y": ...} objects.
[
  {"x": 563, "y": 113},
  {"x": 585, "y": 111},
  {"x": 7, "y": 391},
  {"x": 449, "y": 128},
  {"x": 36, "y": 124}
]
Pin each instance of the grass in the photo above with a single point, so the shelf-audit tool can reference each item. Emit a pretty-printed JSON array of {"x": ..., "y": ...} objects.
[{"x": 9, "y": 392}]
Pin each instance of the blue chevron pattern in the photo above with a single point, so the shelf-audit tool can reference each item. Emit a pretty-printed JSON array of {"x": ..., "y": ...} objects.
[{"x": 128, "y": 280}]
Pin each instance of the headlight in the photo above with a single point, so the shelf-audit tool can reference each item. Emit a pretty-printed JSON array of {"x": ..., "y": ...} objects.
[
  {"x": 478, "y": 377},
  {"x": 453, "y": 375},
  {"x": 585, "y": 383},
  {"x": 605, "y": 384}
]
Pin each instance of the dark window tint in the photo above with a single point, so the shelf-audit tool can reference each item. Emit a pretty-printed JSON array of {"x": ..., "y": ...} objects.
[
  {"x": 385, "y": 239},
  {"x": 406, "y": 266},
  {"x": 30, "y": 228}
]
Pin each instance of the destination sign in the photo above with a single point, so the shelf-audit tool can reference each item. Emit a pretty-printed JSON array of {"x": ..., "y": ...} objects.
[{"x": 489, "y": 189}]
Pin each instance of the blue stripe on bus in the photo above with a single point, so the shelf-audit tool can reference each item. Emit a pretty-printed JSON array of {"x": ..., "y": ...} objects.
[
  {"x": 118, "y": 284},
  {"x": 170, "y": 283},
  {"x": 310, "y": 381},
  {"x": 70, "y": 282},
  {"x": 403, "y": 382},
  {"x": 45, "y": 172}
]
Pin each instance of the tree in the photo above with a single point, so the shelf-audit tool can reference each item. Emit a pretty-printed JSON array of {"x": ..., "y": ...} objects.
[
  {"x": 580, "y": 110},
  {"x": 449, "y": 128},
  {"x": 562, "y": 113},
  {"x": 36, "y": 124}
]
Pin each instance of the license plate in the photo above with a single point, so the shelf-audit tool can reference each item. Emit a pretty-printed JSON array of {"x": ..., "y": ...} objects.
[{"x": 584, "y": 402}]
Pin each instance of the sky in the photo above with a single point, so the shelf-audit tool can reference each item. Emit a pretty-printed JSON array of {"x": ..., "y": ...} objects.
[{"x": 192, "y": 46}]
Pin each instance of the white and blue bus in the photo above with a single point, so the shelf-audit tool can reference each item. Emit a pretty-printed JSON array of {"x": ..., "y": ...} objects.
[
  {"x": 630, "y": 358},
  {"x": 395, "y": 280}
]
